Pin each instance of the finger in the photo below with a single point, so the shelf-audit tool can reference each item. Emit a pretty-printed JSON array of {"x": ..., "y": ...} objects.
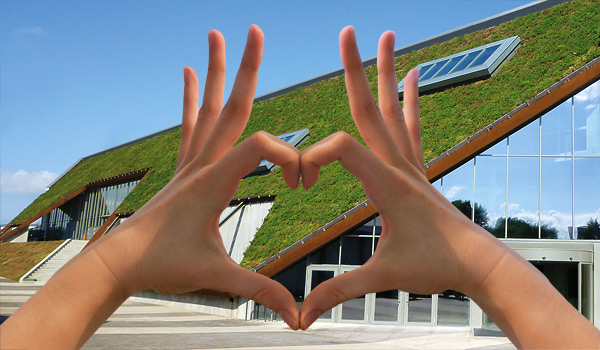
[
  {"x": 207, "y": 116},
  {"x": 337, "y": 290},
  {"x": 388, "y": 97},
  {"x": 365, "y": 112},
  {"x": 411, "y": 114},
  {"x": 190, "y": 111},
  {"x": 352, "y": 155},
  {"x": 236, "y": 112},
  {"x": 246, "y": 156},
  {"x": 265, "y": 291}
]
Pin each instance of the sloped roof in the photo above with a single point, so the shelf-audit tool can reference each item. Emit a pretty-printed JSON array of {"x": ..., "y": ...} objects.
[{"x": 554, "y": 43}]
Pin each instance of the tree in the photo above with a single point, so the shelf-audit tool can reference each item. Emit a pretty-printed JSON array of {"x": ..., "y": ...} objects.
[
  {"x": 481, "y": 215},
  {"x": 590, "y": 231},
  {"x": 519, "y": 228}
]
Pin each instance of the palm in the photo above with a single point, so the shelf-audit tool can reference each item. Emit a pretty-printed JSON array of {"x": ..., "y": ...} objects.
[
  {"x": 393, "y": 177},
  {"x": 176, "y": 241}
]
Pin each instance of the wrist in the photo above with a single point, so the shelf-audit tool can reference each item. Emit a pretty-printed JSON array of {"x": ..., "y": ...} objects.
[
  {"x": 483, "y": 256},
  {"x": 117, "y": 254}
]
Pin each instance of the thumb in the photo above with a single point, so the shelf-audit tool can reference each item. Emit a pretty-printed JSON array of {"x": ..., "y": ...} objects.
[
  {"x": 335, "y": 291},
  {"x": 265, "y": 291}
]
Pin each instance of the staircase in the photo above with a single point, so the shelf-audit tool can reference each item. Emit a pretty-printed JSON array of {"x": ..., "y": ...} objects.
[{"x": 43, "y": 272}]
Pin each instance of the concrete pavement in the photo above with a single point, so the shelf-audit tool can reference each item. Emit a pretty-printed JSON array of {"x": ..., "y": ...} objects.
[{"x": 138, "y": 325}]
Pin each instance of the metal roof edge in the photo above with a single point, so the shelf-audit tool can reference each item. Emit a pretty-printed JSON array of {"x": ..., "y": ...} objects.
[
  {"x": 321, "y": 229},
  {"x": 488, "y": 22},
  {"x": 491, "y": 21},
  {"x": 146, "y": 137}
]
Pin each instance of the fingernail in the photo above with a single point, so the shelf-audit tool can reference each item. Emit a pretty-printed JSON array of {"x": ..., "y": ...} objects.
[
  {"x": 310, "y": 319},
  {"x": 210, "y": 38},
  {"x": 288, "y": 318},
  {"x": 351, "y": 29}
]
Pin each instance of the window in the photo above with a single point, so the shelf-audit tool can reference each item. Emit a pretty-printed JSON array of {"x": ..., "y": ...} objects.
[
  {"x": 294, "y": 138},
  {"x": 80, "y": 217},
  {"x": 540, "y": 181},
  {"x": 477, "y": 63}
]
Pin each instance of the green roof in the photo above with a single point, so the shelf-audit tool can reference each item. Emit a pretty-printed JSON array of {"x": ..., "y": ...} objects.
[{"x": 554, "y": 43}]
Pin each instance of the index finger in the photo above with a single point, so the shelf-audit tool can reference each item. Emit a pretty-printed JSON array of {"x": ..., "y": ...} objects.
[
  {"x": 236, "y": 112},
  {"x": 246, "y": 156},
  {"x": 365, "y": 112}
]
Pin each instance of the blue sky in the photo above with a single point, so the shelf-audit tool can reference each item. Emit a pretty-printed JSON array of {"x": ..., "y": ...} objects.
[{"x": 80, "y": 77}]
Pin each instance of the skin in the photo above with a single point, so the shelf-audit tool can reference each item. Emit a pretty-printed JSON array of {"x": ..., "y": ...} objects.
[
  {"x": 172, "y": 244},
  {"x": 427, "y": 246}
]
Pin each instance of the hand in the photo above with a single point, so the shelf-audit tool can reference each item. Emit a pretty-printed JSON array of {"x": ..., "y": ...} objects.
[
  {"x": 173, "y": 245},
  {"x": 426, "y": 245}
]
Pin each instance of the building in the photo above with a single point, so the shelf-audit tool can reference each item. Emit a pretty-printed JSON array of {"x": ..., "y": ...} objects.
[{"x": 511, "y": 135}]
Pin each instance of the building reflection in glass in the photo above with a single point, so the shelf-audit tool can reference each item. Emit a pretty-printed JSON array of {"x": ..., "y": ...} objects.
[{"x": 541, "y": 181}]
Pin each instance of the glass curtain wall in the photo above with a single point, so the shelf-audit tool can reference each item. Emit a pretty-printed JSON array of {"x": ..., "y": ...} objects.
[
  {"x": 80, "y": 217},
  {"x": 353, "y": 248},
  {"x": 343, "y": 254},
  {"x": 538, "y": 183},
  {"x": 541, "y": 181}
]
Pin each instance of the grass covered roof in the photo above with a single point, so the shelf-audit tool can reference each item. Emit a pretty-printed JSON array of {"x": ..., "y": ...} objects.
[{"x": 554, "y": 43}]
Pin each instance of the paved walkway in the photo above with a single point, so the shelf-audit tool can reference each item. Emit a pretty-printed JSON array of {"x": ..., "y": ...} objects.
[{"x": 144, "y": 326}]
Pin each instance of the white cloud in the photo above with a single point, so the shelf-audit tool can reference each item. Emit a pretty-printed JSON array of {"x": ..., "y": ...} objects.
[
  {"x": 23, "y": 182},
  {"x": 552, "y": 218},
  {"x": 590, "y": 106},
  {"x": 592, "y": 92},
  {"x": 514, "y": 207},
  {"x": 453, "y": 191},
  {"x": 29, "y": 31}
]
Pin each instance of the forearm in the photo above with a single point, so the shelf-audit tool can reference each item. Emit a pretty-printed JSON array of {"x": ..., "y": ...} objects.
[
  {"x": 529, "y": 310},
  {"x": 68, "y": 309}
]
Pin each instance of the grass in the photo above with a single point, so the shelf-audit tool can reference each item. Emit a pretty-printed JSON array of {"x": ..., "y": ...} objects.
[
  {"x": 18, "y": 258},
  {"x": 554, "y": 43}
]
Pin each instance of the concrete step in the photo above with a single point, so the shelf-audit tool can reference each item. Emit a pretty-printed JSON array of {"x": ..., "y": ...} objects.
[
  {"x": 43, "y": 273},
  {"x": 70, "y": 251},
  {"x": 39, "y": 276},
  {"x": 52, "y": 265},
  {"x": 49, "y": 268},
  {"x": 56, "y": 262}
]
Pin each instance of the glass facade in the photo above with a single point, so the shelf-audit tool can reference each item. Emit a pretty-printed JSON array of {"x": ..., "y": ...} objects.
[
  {"x": 348, "y": 252},
  {"x": 541, "y": 181},
  {"x": 80, "y": 217}
]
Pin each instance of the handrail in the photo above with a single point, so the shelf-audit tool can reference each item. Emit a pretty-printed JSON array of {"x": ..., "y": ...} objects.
[{"x": 48, "y": 257}]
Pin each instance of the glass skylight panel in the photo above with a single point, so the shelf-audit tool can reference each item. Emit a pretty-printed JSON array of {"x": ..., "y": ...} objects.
[
  {"x": 477, "y": 63},
  {"x": 448, "y": 66},
  {"x": 466, "y": 61},
  {"x": 485, "y": 55},
  {"x": 431, "y": 72},
  {"x": 424, "y": 70},
  {"x": 294, "y": 138}
]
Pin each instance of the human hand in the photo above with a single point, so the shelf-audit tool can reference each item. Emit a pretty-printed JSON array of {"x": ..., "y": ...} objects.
[
  {"x": 172, "y": 245},
  {"x": 427, "y": 245}
]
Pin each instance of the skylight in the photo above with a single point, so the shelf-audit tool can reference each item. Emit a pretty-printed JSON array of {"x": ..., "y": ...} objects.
[
  {"x": 480, "y": 62},
  {"x": 294, "y": 138}
]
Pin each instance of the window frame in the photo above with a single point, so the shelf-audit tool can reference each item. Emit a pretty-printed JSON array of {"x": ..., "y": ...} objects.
[{"x": 506, "y": 49}]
